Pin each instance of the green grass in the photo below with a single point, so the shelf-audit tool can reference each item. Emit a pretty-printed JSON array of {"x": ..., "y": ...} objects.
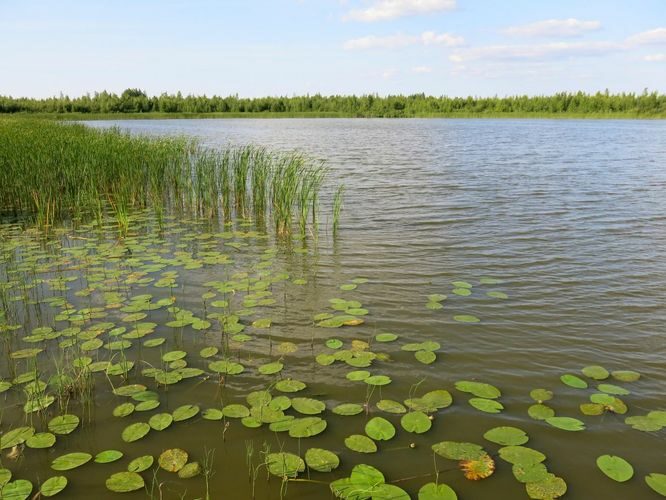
[{"x": 53, "y": 173}]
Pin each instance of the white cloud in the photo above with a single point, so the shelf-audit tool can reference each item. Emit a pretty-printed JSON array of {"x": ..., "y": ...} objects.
[
  {"x": 401, "y": 40},
  {"x": 382, "y": 10},
  {"x": 421, "y": 69},
  {"x": 553, "y": 27},
  {"x": 535, "y": 52},
  {"x": 655, "y": 57},
  {"x": 651, "y": 37}
]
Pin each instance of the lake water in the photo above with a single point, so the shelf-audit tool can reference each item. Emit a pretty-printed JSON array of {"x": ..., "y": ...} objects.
[{"x": 570, "y": 215}]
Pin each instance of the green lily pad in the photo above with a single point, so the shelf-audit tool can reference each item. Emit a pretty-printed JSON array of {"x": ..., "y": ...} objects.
[
  {"x": 173, "y": 460},
  {"x": 596, "y": 372},
  {"x": 479, "y": 389},
  {"x": 541, "y": 395},
  {"x": 357, "y": 375},
  {"x": 433, "y": 491},
  {"x": 573, "y": 381},
  {"x": 63, "y": 424},
  {"x": 134, "y": 432},
  {"x": 226, "y": 367},
  {"x": 208, "y": 352},
  {"x": 16, "y": 490},
  {"x": 458, "y": 451},
  {"x": 530, "y": 472},
  {"x": 15, "y": 436},
  {"x": 52, "y": 486},
  {"x": 185, "y": 412},
  {"x": 284, "y": 464},
  {"x": 416, "y": 422},
  {"x": 190, "y": 470},
  {"x": 425, "y": 357},
  {"x": 617, "y": 468},
  {"x": 321, "y": 460},
  {"x": 506, "y": 436},
  {"x": 657, "y": 482},
  {"x": 334, "y": 343},
  {"x": 521, "y": 455},
  {"x": 486, "y": 405},
  {"x": 124, "y": 482},
  {"x": 540, "y": 412},
  {"x": 71, "y": 461},
  {"x": 390, "y": 406},
  {"x": 377, "y": 380},
  {"x": 497, "y": 295},
  {"x": 626, "y": 375},
  {"x": 307, "y": 427},
  {"x": 41, "y": 440},
  {"x": 289, "y": 385},
  {"x": 5, "y": 477},
  {"x": 547, "y": 489},
  {"x": 466, "y": 318},
  {"x": 212, "y": 414},
  {"x": 160, "y": 421},
  {"x": 386, "y": 337},
  {"x": 235, "y": 411},
  {"x": 271, "y": 368},
  {"x": 613, "y": 389},
  {"x": 360, "y": 443},
  {"x": 380, "y": 429},
  {"x": 123, "y": 410},
  {"x": 348, "y": 409},
  {"x": 566, "y": 423},
  {"x": 463, "y": 292},
  {"x": 108, "y": 456},
  {"x": 366, "y": 482},
  {"x": 141, "y": 463},
  {"x": 307, "y": 406}
]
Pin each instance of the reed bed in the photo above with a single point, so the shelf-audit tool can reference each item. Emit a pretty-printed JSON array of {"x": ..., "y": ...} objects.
[{"x": 53, "y": 173}]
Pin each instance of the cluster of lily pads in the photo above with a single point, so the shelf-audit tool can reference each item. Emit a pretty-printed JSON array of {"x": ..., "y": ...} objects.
[{"x": 85, "y": 317}]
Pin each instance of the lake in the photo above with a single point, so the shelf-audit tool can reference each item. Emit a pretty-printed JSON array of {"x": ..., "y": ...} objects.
[{"x": 562, "y": 222}]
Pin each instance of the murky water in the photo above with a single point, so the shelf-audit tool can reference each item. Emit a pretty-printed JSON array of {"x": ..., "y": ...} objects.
[{"x": 569, "y": 215}]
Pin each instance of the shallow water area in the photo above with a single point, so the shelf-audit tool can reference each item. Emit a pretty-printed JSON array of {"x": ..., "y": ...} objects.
[{"x": 551, "y": 233}]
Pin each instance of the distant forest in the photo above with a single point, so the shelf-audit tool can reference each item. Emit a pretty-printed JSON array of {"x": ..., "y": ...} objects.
[{"x": 137, "y": 101}]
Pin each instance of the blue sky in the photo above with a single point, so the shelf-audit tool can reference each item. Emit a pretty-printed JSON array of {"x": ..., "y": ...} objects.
[{"x": 286, "y": 47}]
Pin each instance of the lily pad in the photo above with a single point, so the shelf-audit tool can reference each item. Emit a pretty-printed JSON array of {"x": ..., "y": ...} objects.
[
  {"x": 521, "y": 455},
  {"x": 566, "y": 423},
  {"x": 124, "y": 482},
  {"x": 466, "y": 318},
  {"x": 108, "y": 456},
  {"x": 541, "y": 395},
  {"x": 425, "y": 357},
  {"x": 334, "y": 343},
  {"x": 357, "y": 375},
  {"x": 416, "y": 422},
  {"x": 41, "y": 440},
  {"x": 284, "y": 464},
  {"x": 547, "y": 489},
  {"x": 235, "y": 411},
  {"x": 160, "y": 421},
  {"x": 540, "y": 412},
  {"x": 434, "y": 491},
  {"x": 15, "y": 436},
  {"x": 52, "y": 486},
  {"x": 321, "y": 460},
  {"x": 530, "y": 472},
  {"x": 386, "y": 337},
  {"x": 506, "y": 436},
  {"x": 185, "y": 412},
  {"x": 307, "y": 406},
  {"x": 458, "y": 451},
  {"x": 479, "y": 389},
  {"x": 271, "y": 368},
  {"x": 173, "y": 460},
  {"x": 307, "y": 427},
  {"x": 141, "y": 463},
  {"x": 348, "y": 409},
  {"x": 380, "y": 429},
  {"x": 289, "y": 385},
  {"x": 616, "y": 468},
  {"x": 657, "y": 482},
  {"x": 190, "y": 470},
  {"x": 486, "y": 405},
  {"x": 134, "y": 432},
  {"x": 360, "y": 443},
  {"x": 573, "y": 381},
  {"x": 377, "y": 380},
  {"x": 63, "y": 424},
  {"x": 596, "y": 372},
  {"x": 16, "y": 490},
  {"x": 626, "y": 375},
  {"x": 390, "y": 406},
  {"x": 71, "y": 461}
]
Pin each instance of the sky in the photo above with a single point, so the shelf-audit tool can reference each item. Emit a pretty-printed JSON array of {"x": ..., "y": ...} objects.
[{"x": 294, "y": 47}]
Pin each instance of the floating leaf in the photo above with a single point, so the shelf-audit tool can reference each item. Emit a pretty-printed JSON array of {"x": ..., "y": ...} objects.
[
  {"x": 123, "y": 410},
  {"x": 334, "y": 343},
  {"x": 41, "y": 440},
  {"x": 380, "y": 429},
  {"x": 235, "y": 411},
  {"x": 141, "y": 463},
  {"x": 613, "y": 389},
  {"x": 390, "y": 406},
  {"x": 425, "y": 357},
  {"x": 506, "y": 436},
  {"x": 466, "y": 318},
  {"x": 479, "y": 468},
  {"x": 307, "y": 427},
  {"x": 289, "y": 385},
  {"x": 566, "y": 423},
  {"x": 52, "y": 486},
  {"x": 208, "y": 352},
  {"x": 416, "y": 422},
  {"x": 15, "y": 436},
  {"x": 189, "y": 470},
  {"x": 360, "y": 443},
  {"x": 657, "y": 482},
  {"x": 626, "y": 375},
  {"x": 541, "y": 395},
  {"x": 63, "y": 424},
  {"x": 530, "y": 473},
  {"x": 486, "y": 405},
  {"x": 617, "y": 468},
  {"x": 596, "y": 372},
  {"x": 348, "y": 409},
  {"x": 16, "y": 490},
  {"x": 547, "y": 489},
  {"x": 463, "y": 292},
  {"x": 497, "y": 295},
  {"x": 71, "y": 461},
  {"x": 160, "y": 421},
  {"x": 321, "y": 460},
  {"x": 521, "y": 455},
  {"x": 458, "y": 451},
  {"x": 433, "y": 491},
  {"x": 173, "y": 460},
  {"x": 226, "y": 367},
  {"x": 479, "y": 389},
  {"x": 386, "y": 337},
  {"x": 284, "y": 464},
  {"x": 540, "y": 412},
  {"x": 308, "y": 406},
  {"x": 124, "y": 482},
  {"x": 212, "y": 414},
  {"x": 573, "y": 381},
  {"x": 271, "y": 368},
  {"x": 108, "y": 456},
  {"x": 377, "y": 380},
  {"x": 185, "y": 412},
  {"x": 134, "y": 432},
  {"x": 357, "y": 375}
]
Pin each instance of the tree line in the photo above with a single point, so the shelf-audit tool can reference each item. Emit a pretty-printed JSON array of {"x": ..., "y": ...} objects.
[{"x": 137, "y": 101}]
